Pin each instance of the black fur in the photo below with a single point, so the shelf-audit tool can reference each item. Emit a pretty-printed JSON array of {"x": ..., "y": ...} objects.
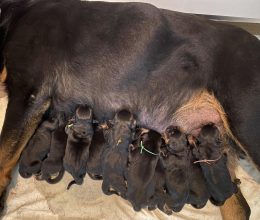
[
  {"x": 216, "y": 173},
  {"x": 37, "y": 149},
  {"x": 141, "y": 169},
  {"x": 111, "y": 56},
  {"x": 114, "y": 158},
  {"x": 169, "y": 51},
  {"x": 80, "y": 134},
  {"x": 199, "y": 194},
  {"x": 159, "y": 198},
  {"x": 176, "y": 164},
  {"x": 97, "y": 147},
  {"x": 52, "y": 167}
]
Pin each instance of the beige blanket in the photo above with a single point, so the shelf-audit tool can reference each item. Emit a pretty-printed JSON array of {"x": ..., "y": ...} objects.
[{"x": 30, "y": 199}]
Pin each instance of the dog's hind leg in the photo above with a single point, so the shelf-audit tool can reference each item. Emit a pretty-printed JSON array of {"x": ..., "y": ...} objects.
[
  {"x": 21, "y": 120},
  {"x": 121, "y": 187},
  {"x": 106, "y": 189}
]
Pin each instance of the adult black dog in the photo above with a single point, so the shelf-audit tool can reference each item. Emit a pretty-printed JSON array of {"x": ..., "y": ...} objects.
[{"x": 111, "y": 56}]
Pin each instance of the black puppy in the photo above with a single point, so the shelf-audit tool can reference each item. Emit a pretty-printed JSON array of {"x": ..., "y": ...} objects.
[
  {"x": 158, "y": 200},
  {"x": 37, "y": 149},
  {"x": 80, "y": 133},
  {"x": 210, "y": 156},
  {"x": 52, "y": 167},
  {"x": 176, "y": 164},
  {"x": 97, "y": 147},
  {"x": 114, "y": 164},
  {"x": 198, "y": 195},
  {"x": 143, "y": 158}
]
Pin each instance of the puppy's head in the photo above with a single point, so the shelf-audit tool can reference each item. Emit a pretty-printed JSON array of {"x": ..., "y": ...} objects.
[
  {"x": 79, "y": 131},
  {"x": 122, "y": 128},
  {"x": 152, "y": 141},
  {"x": 82, "y": 127},
  {"x": 209, "y": 134},
  {"x": 176, "y": 140}
]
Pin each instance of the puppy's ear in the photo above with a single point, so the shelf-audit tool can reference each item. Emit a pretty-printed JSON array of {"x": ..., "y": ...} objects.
[
  {"x": 192, "y": 140},
  {"x": 173, "y": 130},
  {"x": 163, "y": 151},
  {"x": 139, "y": 132},
  {"x": 106, "y": 125},
  {"x": 165, "y": 137},
  {"x": 67, "y": 128},
  {"x": 144, "y": 131},
  {"x": 132, "y": 147},
  {"x": 110, "y": 124},
  {"x": 103, "y": 126}
]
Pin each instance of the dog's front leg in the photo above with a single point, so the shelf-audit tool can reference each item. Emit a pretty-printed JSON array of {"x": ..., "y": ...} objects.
[
  {"x": 235, "y": 207},
  {"x": 21, "y": 120}
]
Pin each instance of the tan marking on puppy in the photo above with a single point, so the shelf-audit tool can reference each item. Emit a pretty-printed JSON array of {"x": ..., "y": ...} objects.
[{"x": 104, "y": 126}]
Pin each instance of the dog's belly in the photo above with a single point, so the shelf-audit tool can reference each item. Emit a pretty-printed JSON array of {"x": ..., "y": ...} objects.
[{"x": 190, "y": 113}]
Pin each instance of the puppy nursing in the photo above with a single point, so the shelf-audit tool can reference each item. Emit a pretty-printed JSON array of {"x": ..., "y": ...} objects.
[
  {"x": 52, "y": 168},
  {"x": 149, "y": 169},
  {"x": 98, "y": 145},
  {"x": 176, "y": 168},
  {"x": 114, "y": 164},
  {"x": 213, "y": 162},
  {"x": 80, "y": 133},
  {"x": 143, "y": 158},
  {"x": 37, "y": 149}
]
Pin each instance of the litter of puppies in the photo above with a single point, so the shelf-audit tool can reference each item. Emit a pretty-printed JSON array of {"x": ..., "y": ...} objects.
[{"x": 151, "y": 170}]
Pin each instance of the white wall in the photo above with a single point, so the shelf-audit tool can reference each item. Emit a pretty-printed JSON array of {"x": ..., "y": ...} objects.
[{"x": 233, "y": 8}]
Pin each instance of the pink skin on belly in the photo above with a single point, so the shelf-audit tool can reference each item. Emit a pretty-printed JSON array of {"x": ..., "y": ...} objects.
[{"x": 191, "y": 121}]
